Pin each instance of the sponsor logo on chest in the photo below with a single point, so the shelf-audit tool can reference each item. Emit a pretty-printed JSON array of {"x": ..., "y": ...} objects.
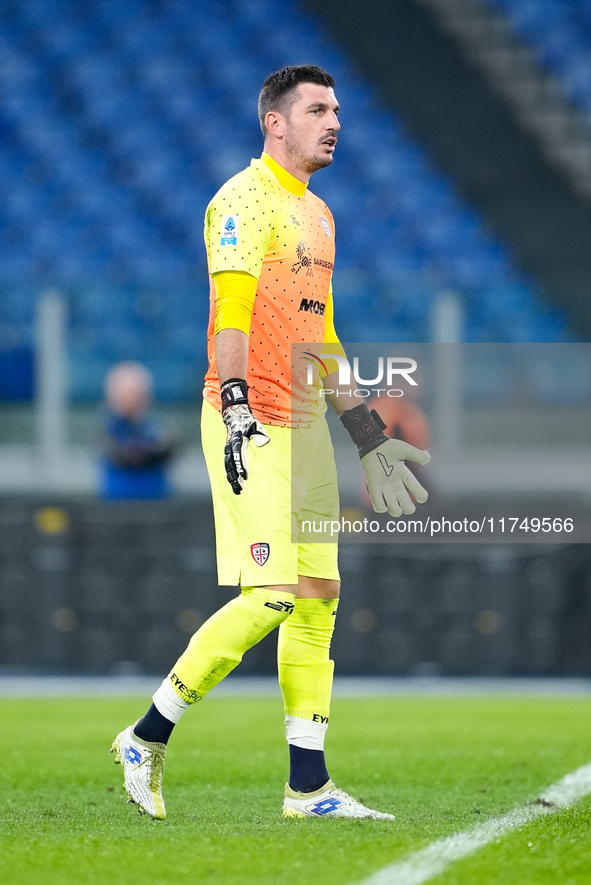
[
  {"x": 304, "y": 259},
  {"x": 312, "y": 306}
]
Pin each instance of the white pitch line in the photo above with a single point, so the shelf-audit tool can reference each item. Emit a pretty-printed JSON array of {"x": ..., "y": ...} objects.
[{"x": 420, "y": 866}]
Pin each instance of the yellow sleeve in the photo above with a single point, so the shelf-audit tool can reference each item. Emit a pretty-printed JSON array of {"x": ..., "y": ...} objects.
[
  {"x": 331, "y": 339},
  {"x": 239, "y": 228},
  {"x": 235, "y": 294}
]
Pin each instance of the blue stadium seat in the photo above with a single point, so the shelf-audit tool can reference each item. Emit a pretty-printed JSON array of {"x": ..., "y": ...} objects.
[
  {"x": 118, "y": 124},
  {"x": 559, "y": 34}
]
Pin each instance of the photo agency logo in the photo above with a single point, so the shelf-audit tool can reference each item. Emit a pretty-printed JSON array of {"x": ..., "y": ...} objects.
[{"x": 389, "y": 370}]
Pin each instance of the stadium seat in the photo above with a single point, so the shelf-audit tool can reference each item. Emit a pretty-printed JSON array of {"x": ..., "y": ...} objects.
[
  {"x": 119, "y": 123},
  {"x": 560, "y": 36}
]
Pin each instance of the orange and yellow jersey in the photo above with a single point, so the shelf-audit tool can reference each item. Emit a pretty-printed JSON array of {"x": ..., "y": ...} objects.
[{"x": 266, "y": 223}]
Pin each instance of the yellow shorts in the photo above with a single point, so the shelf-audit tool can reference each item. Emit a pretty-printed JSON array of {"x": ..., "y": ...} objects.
[{"x": 254, "y": 529}]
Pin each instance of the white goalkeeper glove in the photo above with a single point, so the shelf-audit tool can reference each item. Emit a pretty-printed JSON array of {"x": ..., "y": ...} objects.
[
  {"x": 242, "y": 427},
  {"x": 389, "y": 481}
]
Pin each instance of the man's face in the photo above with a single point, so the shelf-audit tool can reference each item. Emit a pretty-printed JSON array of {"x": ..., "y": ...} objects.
[
  {"x": 128, "y": 393},
  {"x": 311, "y": 127}
]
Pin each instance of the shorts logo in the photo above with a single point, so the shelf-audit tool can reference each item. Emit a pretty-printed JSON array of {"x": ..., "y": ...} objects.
[
  {"x": 260, "y": 552},
  {"x": 229, "y": 230},
  {"x": 325, "y": 226}
]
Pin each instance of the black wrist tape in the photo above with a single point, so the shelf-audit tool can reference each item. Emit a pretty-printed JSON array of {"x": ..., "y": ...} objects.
[
  {"x": 365, "y": 428},
  {"x": 234, "y": 393}
]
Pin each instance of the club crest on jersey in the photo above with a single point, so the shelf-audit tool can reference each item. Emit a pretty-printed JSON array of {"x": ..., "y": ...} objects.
[
  {"x": 325, "y": 226},
  {"x": 229, "y": 230},
  {"x": 260, "y": 552}
]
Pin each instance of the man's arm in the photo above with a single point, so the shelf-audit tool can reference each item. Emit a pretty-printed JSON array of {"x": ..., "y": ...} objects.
[
  {"x": 231, "y": 354},
  {"x": 235, "y": 299},
  {"x": 338, "y": 396},
  {"x": 146, "y": 450}
]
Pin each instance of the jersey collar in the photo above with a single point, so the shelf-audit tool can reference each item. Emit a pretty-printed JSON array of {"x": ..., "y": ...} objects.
[{"x": 285, "y": 178}]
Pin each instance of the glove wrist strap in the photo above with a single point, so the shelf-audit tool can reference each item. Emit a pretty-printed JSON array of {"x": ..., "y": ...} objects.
[
  {"x": 234, "y": 392},
  {"x": 365, "y": 428}
]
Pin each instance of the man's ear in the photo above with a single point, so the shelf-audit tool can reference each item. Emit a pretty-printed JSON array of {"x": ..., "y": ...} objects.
[{"x": 275, "y": 123}]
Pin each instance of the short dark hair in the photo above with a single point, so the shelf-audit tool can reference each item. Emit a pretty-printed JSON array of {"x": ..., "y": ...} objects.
[{"x": 278, "y": 91}]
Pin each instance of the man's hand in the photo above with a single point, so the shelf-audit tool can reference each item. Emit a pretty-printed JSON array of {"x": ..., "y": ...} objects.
[
  {"x": 389, "y": 481},
  {"x": 242, "y": 427}
]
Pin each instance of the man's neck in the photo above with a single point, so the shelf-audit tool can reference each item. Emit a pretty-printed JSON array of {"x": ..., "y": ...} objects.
[
  {"x": 294, "y": 185},
  {"x": 286, "y": 163}
]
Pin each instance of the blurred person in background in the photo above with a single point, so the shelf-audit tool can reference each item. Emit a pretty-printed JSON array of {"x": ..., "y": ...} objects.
[{"x": 136, "y": 450}]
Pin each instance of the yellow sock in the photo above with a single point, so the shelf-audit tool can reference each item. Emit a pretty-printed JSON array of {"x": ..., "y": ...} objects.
[
  {"x": 217, "y": 647},
  {"x": 305, "y": 670}
]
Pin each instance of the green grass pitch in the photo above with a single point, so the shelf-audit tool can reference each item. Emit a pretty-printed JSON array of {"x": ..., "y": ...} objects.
[{"x": 441, "y": 765}]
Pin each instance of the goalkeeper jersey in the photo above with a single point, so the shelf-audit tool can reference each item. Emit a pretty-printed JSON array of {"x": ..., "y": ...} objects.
[{"x": 267, "y": 223}]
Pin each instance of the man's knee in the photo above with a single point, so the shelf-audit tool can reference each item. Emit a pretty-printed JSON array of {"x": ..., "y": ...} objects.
[{"x": 317, "y": 588}]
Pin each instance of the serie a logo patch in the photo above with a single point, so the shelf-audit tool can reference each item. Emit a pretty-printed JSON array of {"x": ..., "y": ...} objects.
[
  {"x": 229, "y": 230},
  {"x": 260, "y": 552}
]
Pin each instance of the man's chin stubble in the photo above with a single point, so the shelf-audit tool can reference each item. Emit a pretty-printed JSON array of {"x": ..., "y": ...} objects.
[{"x": 320, "y": 163}]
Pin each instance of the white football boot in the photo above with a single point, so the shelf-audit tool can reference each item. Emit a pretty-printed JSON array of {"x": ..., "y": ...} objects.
[
  {"x": 143, "y": 767},
  {"x": 328, "y": 801}
]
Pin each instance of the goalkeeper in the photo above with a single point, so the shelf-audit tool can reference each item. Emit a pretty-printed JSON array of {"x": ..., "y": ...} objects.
[{"x": 270, "y": 248}]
